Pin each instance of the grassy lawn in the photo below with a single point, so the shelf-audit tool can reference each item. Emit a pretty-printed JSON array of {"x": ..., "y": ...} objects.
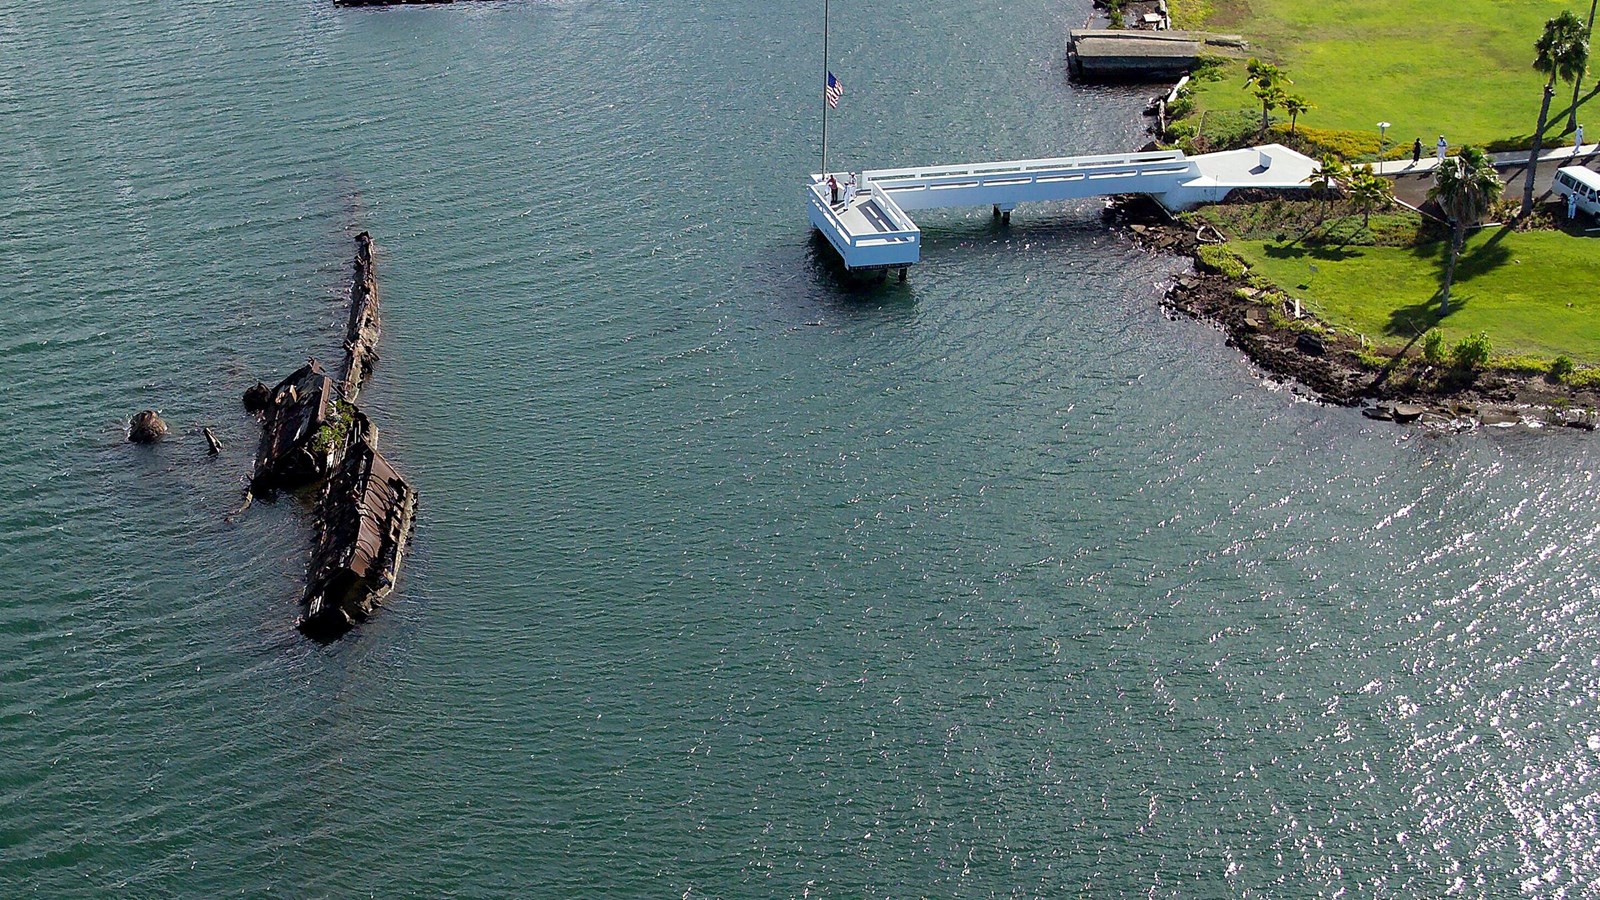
[
  {"x": 1534, "y": 292},
  {"x": 1461, "y": 68}
]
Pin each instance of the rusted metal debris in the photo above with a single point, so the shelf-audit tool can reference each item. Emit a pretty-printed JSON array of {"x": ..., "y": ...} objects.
[
  {"x": 365, "y": 515},
  {"x": 256, "y": 399},
  {"x": 306, "y": 432},
  {"x": 362, "y": 331}
]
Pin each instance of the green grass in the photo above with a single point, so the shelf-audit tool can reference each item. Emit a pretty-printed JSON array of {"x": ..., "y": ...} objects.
[
  {"x": 1189, "y": 13},
  {"x": 1533, "y": 292},
  {"x": 1461, "y": 68}
]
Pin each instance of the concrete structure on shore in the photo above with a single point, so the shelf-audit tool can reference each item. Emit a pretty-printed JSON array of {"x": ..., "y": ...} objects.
[
  {"x": 869, "y": 228},
  {"x": 1116, "y": 55},
  {"x": 1110, "y": 54}
]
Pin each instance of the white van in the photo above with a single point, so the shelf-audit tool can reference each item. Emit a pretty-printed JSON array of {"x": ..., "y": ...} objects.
[{"x": 1576, "y": 181}]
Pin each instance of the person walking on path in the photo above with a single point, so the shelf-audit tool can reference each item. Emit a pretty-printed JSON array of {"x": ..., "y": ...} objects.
[
  {"x": 1444, "y": 147},
  {"x": 1577, "y": 141},
  {"x": 1416, "y": 151}
]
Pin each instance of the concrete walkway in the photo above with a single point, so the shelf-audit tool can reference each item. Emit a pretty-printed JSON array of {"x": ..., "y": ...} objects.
[
  {"x": 1501, "y": 160},
  {"x": 1411, "y": 183}
]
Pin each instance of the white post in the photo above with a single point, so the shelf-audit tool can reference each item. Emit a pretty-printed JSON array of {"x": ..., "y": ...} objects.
[{"x": 824, "y": 89}]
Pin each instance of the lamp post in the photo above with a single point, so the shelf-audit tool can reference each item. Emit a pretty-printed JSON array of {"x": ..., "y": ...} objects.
[{"x": 1383, "y": 137}]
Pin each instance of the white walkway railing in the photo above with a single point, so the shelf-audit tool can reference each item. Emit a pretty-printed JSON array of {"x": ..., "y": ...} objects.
[{"x": 871, "y": 229}]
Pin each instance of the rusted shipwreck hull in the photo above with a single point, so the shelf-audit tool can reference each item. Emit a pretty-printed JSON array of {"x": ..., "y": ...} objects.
[
  {"x": 365, "y": 514},
  {"x": 306, "y": 431},
  {"x": 362, "y": 331},
  {"x": 314, "y": 434}
]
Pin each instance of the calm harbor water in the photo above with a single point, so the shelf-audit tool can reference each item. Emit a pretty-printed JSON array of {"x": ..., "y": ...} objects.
[{"x": 730, "y": 580}]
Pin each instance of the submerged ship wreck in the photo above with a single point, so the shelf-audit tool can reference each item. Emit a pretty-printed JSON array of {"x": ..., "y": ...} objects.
[
  {"x": 314, "y": 435},
  {"x": 365, "y": 515}
]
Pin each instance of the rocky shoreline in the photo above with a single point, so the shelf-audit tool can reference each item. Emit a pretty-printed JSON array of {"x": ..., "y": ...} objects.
[{"x": 1326, "y": 365}]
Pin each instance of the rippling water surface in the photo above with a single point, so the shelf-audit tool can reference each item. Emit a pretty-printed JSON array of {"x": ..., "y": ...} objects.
[{"x": 730, "y": 580}]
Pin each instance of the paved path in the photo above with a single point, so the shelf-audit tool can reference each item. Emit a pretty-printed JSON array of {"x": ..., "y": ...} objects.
[
  {"x": 1411, "y": 183},
  {"x": 1501, "y": 160}
]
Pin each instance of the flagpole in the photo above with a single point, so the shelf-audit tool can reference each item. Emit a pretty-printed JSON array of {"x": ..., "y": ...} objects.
[{"x": 824, "y": 89}]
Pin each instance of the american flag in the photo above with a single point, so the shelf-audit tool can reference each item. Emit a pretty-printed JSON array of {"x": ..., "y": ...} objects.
[{"x": 834, "y": 91}]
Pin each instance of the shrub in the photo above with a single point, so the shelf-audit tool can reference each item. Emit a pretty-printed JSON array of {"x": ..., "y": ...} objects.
[
  {"x": 1504, "y": 209},
  {"x": 1371, "y": 358},
  {"x": 1207, "y": 66},
  {"x": 1561, "y": 369},
  {"x": 1433, "y": 347},
  {"x": 1584, "y": 378},
  {"x": 1472, "y": 353},
  {"x": 1179, "y": 132},
  {"x": 333, "y": 431},
  {"x": 1219, "y": 259},
  {"x": 1324, "y": 141},
  {"x": 1521, "y": 365}
]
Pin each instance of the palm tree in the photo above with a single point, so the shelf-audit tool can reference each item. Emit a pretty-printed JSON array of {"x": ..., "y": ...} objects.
[
  {"x": 1370, "y": 191},
  {"x": 1563, "y": 51},
  {"x": 1294, "y": 105},
  {"x": 1271, "y": 98},
  {"x": 1464, "y": 186},
  {"x": 1264, "y": 77},
  {"x": 1577, "y": 83},
  {"x": 1329, "y": 172},
  {"x": 1255, "y": 71}
]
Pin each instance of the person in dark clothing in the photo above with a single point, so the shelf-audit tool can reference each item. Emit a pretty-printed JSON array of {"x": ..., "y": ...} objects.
[
  {"x": 833, "y": 188},
  {"x": 1416, "y": 151}
]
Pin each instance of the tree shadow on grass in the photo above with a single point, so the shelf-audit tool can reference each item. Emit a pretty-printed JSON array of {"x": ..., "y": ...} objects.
[
  {"x": 1412, "y": 320},
  {"x": 1555, "y": 127},
  {"x": 1318, "y": 252},
  {"x": 1562, "y": 116}
]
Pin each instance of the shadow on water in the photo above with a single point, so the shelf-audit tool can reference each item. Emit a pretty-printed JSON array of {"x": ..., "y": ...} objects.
[
  {"x": 856, "y": 291},
  {"x": 1043, "y": 229},
  {"x": 944, "y": 238}
]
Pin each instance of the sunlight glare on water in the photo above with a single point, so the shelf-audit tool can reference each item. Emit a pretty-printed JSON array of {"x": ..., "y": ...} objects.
[{"x": 730, "y": 580}]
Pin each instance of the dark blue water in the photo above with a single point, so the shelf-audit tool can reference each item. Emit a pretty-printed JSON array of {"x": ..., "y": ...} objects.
[{"x": 730, "y": 580}]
